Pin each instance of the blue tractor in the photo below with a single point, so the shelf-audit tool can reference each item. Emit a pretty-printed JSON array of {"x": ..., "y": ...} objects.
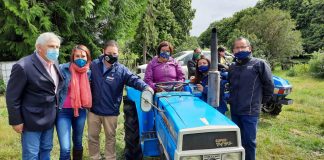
[
  {"x": 281, "y": 90},
  {"x": 178, "y": 125}
]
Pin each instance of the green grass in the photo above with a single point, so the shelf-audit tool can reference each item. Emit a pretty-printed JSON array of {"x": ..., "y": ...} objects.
[
  {"x": 10, "y": 147},
  {"x": 297, "y": 133}
]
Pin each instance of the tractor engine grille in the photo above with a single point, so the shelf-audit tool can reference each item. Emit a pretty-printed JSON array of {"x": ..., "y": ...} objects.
[{"x": 209, "y": 140}]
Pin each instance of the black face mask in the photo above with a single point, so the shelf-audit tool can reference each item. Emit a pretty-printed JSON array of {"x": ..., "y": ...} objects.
[{"x": 110, "y": 59}]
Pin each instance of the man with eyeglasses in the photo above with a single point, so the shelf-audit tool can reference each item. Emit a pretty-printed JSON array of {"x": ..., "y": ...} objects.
[
  {"x": 251, "y": 85},
  {"x": 108, "y": 78}
]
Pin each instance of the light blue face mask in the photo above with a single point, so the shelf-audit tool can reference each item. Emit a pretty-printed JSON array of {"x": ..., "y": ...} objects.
[{"x": 52, "y": 54}]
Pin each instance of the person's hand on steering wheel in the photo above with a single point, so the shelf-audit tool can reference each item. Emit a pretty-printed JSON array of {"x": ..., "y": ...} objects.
[
  {"x": 159, "y": 89},
  {"x": 169, "y": 86}
]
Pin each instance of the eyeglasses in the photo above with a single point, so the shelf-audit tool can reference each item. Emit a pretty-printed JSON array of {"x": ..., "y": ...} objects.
[
  {"x": 110, "y": 53},
  {"x": 240, "y": 47}
]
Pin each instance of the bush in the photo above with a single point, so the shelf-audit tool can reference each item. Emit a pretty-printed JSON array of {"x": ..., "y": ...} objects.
[
  {"x": 291, "y": 72},
  {"x": 2, "y": 87},
  {"x": 316, "y": 64},
  {"x": 299, "y": 69}
]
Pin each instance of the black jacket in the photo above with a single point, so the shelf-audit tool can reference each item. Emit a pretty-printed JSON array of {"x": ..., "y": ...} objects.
[
  {"x": 191, "y": 64},
  {"x": 251, "y": 85},
  {"x": 30, "y": 96}
]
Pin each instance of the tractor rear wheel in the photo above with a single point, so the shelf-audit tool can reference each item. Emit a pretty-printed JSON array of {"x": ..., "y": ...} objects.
[
  {"x": 272, "y": 108},
  {"x": 133, "y": 150}
]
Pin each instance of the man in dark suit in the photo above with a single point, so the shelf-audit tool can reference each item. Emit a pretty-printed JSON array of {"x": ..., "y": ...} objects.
[{"x": 32, "y": 97}]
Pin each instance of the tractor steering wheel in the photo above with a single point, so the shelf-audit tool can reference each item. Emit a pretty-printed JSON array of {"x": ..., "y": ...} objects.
[{"x": 171, "y": 85}]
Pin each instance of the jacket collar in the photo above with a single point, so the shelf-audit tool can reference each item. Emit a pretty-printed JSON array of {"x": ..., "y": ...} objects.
[
  {"x": 155, "y": 61},
  {"x": 40, "y": 67},
  {"x": 243, "y": 61}
]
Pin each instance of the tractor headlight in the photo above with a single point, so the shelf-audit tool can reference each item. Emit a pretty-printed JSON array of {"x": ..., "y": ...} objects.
[
  {"x": 232, "y": 156},
  {"x": 191, "y": 158}
]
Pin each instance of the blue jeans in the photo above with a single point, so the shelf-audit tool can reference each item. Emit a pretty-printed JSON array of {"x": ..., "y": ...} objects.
[
  {"x": 65, "y": 120},
  {"x": 37, "y": 145},
  {"x": 248, "y": 126}
]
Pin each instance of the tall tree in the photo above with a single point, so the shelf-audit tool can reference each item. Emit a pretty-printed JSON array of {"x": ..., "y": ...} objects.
[
  {"x": 166, "y": 23},
  {"x": 147, "y": 35},
  {"x": 183, "y": 14},
  {"x": 277, "y": 31},
  {"x": 225, "y": 27},
  {"x": 20, "y": 23},
  {"x": 89, "y": 22},
  {"x": 168, "y": 20},
  {"x": 309, "y": 17},
  {"x": 124, "y": 18}
]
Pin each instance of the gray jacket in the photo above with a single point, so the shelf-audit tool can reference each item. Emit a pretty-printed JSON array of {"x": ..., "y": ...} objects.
[{"x": 251, "y": 85}]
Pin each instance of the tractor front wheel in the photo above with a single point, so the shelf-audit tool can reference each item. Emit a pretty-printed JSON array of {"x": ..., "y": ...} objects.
[
  {"x": 133, "y": 150},
  {"x": 272, "y": 108}
]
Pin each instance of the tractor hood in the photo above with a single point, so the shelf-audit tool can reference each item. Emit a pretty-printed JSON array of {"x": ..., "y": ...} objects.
[
  {"x": 279, "y": 82},
  {"x": 186, "y": 111}
]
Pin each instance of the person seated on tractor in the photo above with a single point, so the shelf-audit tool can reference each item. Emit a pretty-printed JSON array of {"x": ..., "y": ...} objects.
[
  {"x": 222, "y": 61},
  {"x": 201, "y": 80},
  {"x": 163, "y": 68},
  {"x": 191, "y": 64}
]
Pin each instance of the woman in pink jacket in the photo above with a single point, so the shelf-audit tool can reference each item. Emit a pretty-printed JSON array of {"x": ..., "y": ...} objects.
[{"x": 163, "y": 68}]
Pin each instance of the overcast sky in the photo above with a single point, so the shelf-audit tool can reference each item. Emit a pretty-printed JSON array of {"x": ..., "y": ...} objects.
[{"x": 208, "y": 11}]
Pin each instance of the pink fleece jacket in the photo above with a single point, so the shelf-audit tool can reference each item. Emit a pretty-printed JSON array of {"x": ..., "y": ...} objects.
[{"x": 163, "y": 72}]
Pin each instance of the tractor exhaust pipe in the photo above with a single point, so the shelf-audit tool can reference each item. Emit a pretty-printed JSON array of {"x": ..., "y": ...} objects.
[{"x": 213, "y": 74}]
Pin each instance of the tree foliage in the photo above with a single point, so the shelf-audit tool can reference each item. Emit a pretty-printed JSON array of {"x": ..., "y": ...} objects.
[
  {"x": 316, "y": 64},
  {"x": 168, "y": 20},
  {"x": 183, "y": 14},
  {"x": 225, "y": 27},
  {"x": 137, "y": 25},
  {"x": 190, "y": 43},
  {"x": 123, "y": 20},
  {"x": 276, "y": 30},
  {"x": 89, "y": 22},
  {"x": 272, "y": 33},
  {"x": 309, "y": 17}
]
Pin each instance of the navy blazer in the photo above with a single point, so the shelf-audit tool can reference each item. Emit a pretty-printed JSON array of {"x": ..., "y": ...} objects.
[{"x": 30, "y": 96}]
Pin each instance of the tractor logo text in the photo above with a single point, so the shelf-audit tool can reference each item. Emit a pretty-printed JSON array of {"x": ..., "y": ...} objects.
[{"x": 223, "y": 142}]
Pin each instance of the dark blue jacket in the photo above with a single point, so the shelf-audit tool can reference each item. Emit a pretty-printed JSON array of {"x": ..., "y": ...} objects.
[
  {"x": 204, "y": 83},
  {"x": 107, "y": 88},
  {"x": 30, "y": 96},
  {"x": 222, "y": 102},
  {"x": 251, "y": 85}
]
